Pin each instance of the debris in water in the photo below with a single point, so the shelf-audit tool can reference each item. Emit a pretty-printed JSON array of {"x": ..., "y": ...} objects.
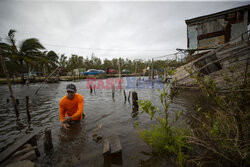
[{"x": 95, "y": 135}]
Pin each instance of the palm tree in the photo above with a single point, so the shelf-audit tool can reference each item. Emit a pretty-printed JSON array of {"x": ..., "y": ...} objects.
[
  {"x": 63, "y": 64},
  {"x": 9, "y": 57},
  {"x": 28, "y": 53},
  {"x": 52, "y": 58}
]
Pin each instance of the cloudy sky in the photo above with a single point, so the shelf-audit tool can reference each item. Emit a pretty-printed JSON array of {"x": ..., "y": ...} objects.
[{"x": 130, "y": 29}]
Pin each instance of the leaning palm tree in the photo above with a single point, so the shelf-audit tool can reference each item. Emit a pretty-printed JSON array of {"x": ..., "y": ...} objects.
[
  {"x": 10, "y": 57},
  {"x": 28, "y": 53},
  {"x": 51, "y": 62},
  {"x": 53, "y": 59}
]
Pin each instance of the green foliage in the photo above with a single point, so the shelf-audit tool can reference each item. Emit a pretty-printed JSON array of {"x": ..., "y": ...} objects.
[
  {"x": 162, "y": 136},
  {"x": 222, "y": 133},
  {"x": 171, "y": 72}
]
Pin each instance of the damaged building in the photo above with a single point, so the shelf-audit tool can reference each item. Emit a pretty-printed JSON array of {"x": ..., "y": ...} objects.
[
  {"x": 217, "y": 43},
  {"x": 210, "y": 31}
]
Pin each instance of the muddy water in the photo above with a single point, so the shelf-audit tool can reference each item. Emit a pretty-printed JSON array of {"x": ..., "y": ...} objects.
[{"x": 75, "y": 147}]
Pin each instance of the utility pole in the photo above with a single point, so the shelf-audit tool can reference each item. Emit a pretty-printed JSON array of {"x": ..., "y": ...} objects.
[
  {"x": 119, "y": 69},
  {"x": 8, "y": 81},
  {"x": 136, "y": 68},
  {"x": 152, "y": 72}
]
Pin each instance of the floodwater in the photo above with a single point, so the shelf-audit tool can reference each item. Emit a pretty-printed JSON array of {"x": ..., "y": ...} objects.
[{"x": 76, "y": 147}]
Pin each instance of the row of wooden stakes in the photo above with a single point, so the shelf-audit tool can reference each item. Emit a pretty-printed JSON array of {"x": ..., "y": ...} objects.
[{"x": 27, "y": 106}]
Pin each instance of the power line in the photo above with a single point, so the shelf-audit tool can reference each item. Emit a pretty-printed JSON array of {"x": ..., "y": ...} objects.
[
  {"x": 122, "y": 50},
  {"x": 103, "y": 49},
  {"x": 168, "y": 55}
]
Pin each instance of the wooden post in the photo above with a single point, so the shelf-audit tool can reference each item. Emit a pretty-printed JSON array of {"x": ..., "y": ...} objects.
[
  {"x": 119, "y": 69},
  {"x": 27, "y": 107},
  {"x": 125, "y": 97},
  {"x": 120, "y": 84},
  {"x": 17, "y": 101},
  {"x": 5, "y": 71},
  {"x": 113, "y": 91},
  {"x": 149, "y": 74},
  {"x": 91, "y": 89},
  {"x": 47, "y": 141},
  {"x": 135, "y": 100},
  {"x": 115, "y": 144},
  {"x": 136, "y": 82},
  {"x": 106, "y": 147},
  {"x": 129, "y": 96}
]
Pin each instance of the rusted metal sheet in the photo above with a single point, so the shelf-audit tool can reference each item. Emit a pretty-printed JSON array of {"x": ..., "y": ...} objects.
[
  {"x": 207, "y": 33},
  {"x": 210, "y": 35},
  {"x": 211, "y": 42},
  {"x": 217, "y": 30},
  {"x": 192, "y": 36},
  {"x": 213, "y": 26},
  {"x": 240, "y": 27}
]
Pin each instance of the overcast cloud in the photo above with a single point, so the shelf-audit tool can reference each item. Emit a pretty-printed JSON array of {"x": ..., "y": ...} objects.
[{"x": 107, "y": 29}]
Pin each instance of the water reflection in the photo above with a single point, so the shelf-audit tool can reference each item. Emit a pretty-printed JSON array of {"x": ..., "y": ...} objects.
[
  {"x": 75, "y": 146},
  {"x": 113, "y": 159},
  {"x": 71, "y": 133},
  {"x": 70, "y": 139},
  {"x": 134, "y": 113}
]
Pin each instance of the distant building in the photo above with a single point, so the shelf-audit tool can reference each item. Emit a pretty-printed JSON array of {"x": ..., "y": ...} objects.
[
  {"x": 79, "y": 71},
  {"x": 215, "y": 29}
]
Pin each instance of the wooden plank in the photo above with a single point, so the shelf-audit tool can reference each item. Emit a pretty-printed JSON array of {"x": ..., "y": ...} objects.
[
  {"x": 106, "y": 146},
  {"x": 27, "y": 156},
  {"x": 26, "y": 163},
  {"x": 26, "y": 153},
  {"x": 115, "y": 144},
  {"x": 27, "y": 148},
  {"x": 14, "y": 147},
  {"x": 233, "y": 48}
]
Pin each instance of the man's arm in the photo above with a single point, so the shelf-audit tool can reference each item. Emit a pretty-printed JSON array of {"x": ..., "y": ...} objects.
[
  {"x": 61, "y": 112},
  {"x": 79, "y": 109}
]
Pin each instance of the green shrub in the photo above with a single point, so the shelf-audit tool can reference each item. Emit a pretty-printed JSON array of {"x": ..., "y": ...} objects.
[{"x": 162, "y": 136}]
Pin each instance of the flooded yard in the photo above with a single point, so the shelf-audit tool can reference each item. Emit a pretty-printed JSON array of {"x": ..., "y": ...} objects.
[{"x": 76, "y": 147}]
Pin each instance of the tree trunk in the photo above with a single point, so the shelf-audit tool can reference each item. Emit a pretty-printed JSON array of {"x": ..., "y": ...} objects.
[
  {"x": 22, "y": 74},
  {"x": 9, "y": 82}
]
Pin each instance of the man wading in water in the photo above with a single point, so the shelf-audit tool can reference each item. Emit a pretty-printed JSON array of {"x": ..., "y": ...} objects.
[{"x": 71, "y": 106}]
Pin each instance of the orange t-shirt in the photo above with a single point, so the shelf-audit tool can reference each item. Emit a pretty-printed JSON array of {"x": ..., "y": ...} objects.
[{"x": 71, "y": 107}]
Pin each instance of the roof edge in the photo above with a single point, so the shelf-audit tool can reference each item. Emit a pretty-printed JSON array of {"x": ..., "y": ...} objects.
[{"x": 197, "y": 19}]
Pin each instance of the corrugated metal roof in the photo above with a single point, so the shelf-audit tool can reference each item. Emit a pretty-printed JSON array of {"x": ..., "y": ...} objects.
[{"x": 201, "y": 18}]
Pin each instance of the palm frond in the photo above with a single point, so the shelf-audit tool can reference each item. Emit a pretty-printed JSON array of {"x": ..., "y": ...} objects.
[
  {"x": 11, "y": 36},
  {"x": 31, "y": 44}
]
